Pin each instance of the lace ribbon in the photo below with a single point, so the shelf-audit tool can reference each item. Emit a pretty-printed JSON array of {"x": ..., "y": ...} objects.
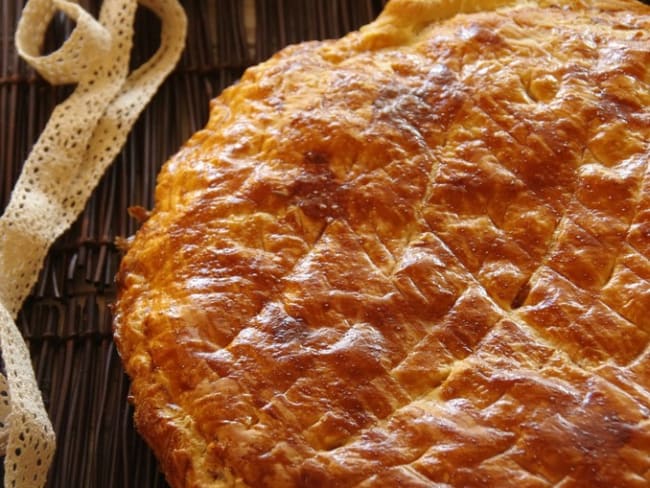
[{"x": 84, "y": 134}]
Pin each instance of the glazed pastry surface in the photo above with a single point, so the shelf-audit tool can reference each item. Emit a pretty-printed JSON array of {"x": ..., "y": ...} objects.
[{"x": 416, "y": 256}]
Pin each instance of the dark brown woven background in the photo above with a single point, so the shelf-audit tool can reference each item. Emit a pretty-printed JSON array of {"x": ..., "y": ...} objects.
[{"x": 66, "y": 319}]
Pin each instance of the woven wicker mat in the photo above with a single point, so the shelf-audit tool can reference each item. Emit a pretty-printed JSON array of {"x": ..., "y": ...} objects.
[{"x": 66, "y": 320}]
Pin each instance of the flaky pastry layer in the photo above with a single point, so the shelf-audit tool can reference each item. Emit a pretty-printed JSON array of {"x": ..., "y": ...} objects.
[{"x": 415, "y": 256}]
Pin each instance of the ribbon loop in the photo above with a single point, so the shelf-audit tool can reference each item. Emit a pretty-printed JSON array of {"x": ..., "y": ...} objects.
[{"x": 89, "y": 41}]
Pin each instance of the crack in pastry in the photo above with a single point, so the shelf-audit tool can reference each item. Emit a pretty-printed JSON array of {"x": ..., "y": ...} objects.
[{"x": 415, "y": 256}]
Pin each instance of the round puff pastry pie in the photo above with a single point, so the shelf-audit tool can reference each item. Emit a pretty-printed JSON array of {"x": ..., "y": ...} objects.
[{"x": 416, "y": 256}]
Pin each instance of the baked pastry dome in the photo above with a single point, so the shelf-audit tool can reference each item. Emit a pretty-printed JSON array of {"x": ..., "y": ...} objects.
[{"x": 415, "y": 256}]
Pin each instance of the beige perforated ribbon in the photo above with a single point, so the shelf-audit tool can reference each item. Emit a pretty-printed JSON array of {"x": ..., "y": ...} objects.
[{"x": 83, "y": 136}]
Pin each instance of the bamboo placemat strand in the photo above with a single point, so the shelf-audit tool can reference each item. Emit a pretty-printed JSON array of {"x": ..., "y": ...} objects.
[{"x": 66, "y": 319}]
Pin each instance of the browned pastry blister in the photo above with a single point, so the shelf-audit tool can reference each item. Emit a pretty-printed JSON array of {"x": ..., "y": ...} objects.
[{"x": 415, "y": 256}]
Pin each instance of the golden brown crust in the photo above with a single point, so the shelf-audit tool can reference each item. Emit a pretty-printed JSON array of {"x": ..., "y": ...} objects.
[{"x": 416, "y": 256}]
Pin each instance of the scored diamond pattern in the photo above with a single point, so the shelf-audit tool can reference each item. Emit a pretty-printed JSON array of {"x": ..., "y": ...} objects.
[{"x": 411, "y": 267}]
